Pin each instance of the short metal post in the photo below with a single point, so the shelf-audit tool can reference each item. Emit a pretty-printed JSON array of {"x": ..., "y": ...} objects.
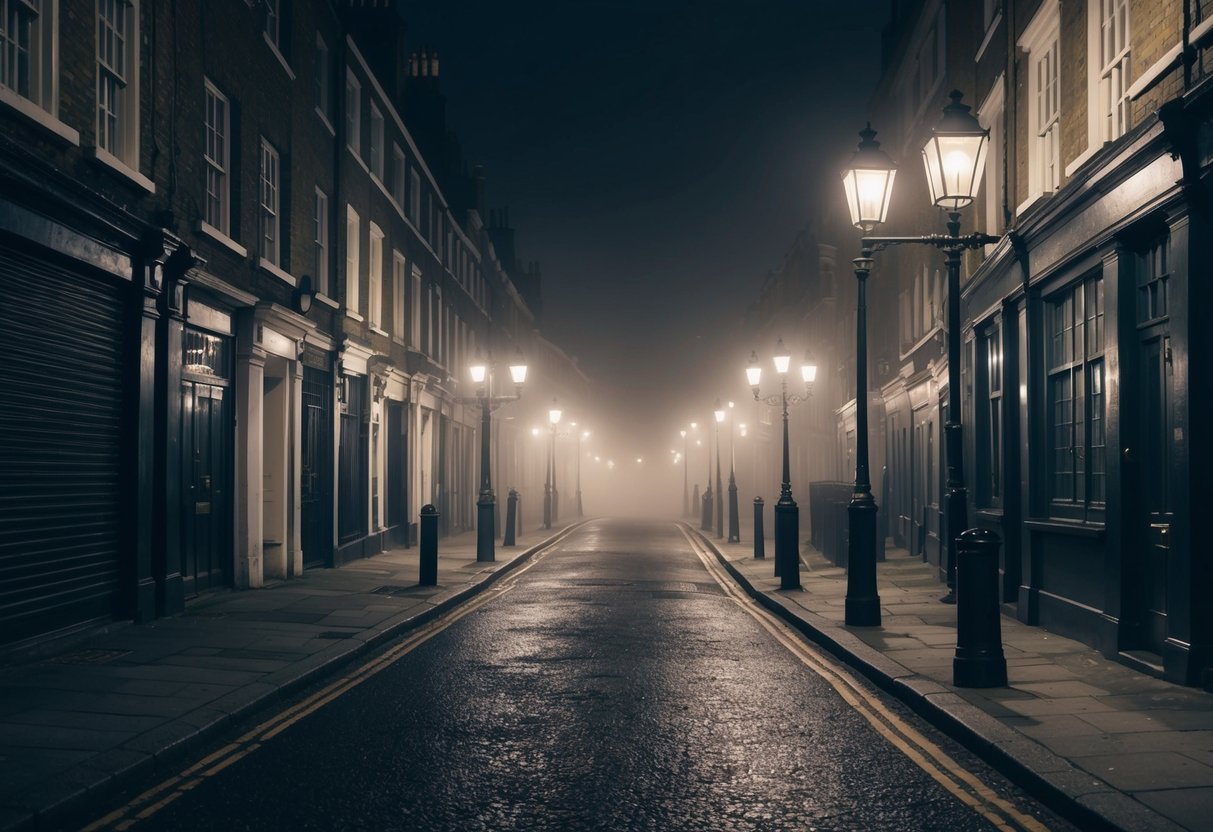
[
  {"x": 486, "y": 534},
  {"x": 760, "y": 548},
  {"x": 979, "y": 660},
  {"x": 787, "y": 546},
  {"x": 429, "y": 546},
  {"x": 511, "y": 511}
]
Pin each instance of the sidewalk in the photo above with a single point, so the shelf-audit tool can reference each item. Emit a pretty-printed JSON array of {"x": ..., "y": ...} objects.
[
  {"x": 1125, "y": 750},
  {"x": 86, "y": 722}
]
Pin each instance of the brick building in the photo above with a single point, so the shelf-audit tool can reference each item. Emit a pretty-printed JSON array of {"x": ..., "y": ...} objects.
[
  {"x": 239, "y": 295},
  {"x": 1081, "y": 349}
]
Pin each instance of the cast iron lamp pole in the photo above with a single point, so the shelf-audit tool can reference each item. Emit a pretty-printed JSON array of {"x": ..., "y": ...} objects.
[
  {"x": 734, "y": 519},
  {"x": 585, "y": 434},
  {"x": 486, "y": 503},
  {"x": 954, "y": 158},
  {"x": 787, "y": 513},
  {"x": 553, "y": 420},
  {"x": 686, "y": 494},
  {"x": 719, "y": 414}
]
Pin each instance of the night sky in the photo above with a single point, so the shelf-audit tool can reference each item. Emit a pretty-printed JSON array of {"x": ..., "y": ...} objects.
[{"x": 657, "y": 158}]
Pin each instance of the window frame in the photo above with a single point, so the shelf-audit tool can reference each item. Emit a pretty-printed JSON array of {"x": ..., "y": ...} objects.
[
  {"x": 320, "y": 240},
  {"x": 1083, "y": 369},
  {"x": 1041, "y": 43},
  {"x": 353, "y": 113},
  {"x": 222, "y": 222},
  {"x": 124, "y": 101},
  {"x": 375, "y": 156},
  {"x": 353, "y": 260},
  {"x": 269, "y": 213},
  {"x": 324, "y": 81},
  {"x": 374, "y": 270}
]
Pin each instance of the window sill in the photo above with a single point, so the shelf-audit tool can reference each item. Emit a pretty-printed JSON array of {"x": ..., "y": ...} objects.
[
  {"x": 104, "y": 157},
  {"x": 39, "y": 116},
  {"x": 283, "y": 275},
  {"x": 1083, "y": 158},
  {"x": 221, "y": 238},
  {"x": 985, "y": 43},
  {"x": 350, "y": 313},
  {"x": 378, "y": 331},
  {"x": 1030, "y": 202},
  {"x": 290, "y": 73},
  {"x": 327, "y": 301},
  {"x": 325, "y": 121},
  {"x": 1071, "y": 527},
  {"x": 358, "y": 159}
]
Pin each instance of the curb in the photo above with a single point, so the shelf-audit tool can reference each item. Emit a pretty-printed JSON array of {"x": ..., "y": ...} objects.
[
  {"x": 171, "y": 741},
  {"x": 1070, "y": 792}
]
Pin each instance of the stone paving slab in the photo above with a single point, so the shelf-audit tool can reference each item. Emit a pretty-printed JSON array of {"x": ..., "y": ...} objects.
[
  {"x": 85, "y": 721},
  {"x": 1102, "y": 743}
]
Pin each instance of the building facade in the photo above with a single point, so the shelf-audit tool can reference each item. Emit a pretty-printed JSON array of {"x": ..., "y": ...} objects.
[
  {"x": 239, "y": 302},
  {"x": 1082, "y": 345}
]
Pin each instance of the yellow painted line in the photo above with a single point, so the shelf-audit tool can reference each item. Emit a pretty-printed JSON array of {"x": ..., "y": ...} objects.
[
  {"x": 156, "y": 798},
  {"x": 933, "y": 760}
]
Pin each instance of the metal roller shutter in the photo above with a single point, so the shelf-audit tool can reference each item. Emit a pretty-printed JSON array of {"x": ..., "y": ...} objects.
[{"x": 61, "y": 405}]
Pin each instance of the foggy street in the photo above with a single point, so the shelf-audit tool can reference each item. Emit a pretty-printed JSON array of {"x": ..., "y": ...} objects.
[{"x": 615, "y": 686}]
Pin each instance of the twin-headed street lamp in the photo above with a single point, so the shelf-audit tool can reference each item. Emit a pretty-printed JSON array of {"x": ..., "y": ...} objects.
[
  {"x": 734, "y": 517},
  {"x": 582, "y": 434},
  {"x": 686, "y": 494},
  {"x": 787, "y": 514},
  {"x": 551, "y": 497},
  {"x": 486, "y": 503},
  {"x": 954, "y": 158}
]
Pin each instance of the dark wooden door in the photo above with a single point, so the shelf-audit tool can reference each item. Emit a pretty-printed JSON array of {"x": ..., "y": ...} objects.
[
  {"x": 316, "y": 487},
  {"x": 207, "y": 430}
]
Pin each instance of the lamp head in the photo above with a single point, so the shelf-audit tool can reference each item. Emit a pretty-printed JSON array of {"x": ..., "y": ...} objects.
[
  {"x": 554, "y": 414},
  {"x": 753, "y": 372},
  {"x": 782, "y": 358},
  {"x": 868, "y": 182},
  {"x": 955, "y": 156},
  {"x": 478, "y": 368}
]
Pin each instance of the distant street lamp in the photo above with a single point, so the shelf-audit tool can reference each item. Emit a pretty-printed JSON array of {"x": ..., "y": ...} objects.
[
  {"x": 954, "y": 158},
  {"x": 686, "y": 494},
  {"x": 734, "y": 518},
  {"x": 550, "y": 494},
  {"x": 787, "y": 513},
  {"x": 718, "y": 415},
  {"x": 482, "y": 373},
  {"x": 585, "y": 434}
]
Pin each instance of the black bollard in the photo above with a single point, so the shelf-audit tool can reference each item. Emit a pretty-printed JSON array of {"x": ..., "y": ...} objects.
[
  {"x": 760, "y": 545},
  {"x": 979, "y": 661},
  {"x": 511, "y": 510},
  {"x": 787, "y": 544},
  {"x": 429, "y": 546}
]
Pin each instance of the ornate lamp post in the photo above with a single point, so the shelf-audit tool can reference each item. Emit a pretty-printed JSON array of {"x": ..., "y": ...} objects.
[
  {"x": 550, "y": 494},
  {"x": 482, "y": 373},
  {"x": 585, "y": 434},
  {"x": 787, "y": 513},
  {"x": 734, "y": 518},
  {"x": 954, "y": 158}
]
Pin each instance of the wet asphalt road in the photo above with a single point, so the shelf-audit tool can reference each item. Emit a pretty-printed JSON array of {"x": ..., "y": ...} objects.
[{"x": 615, "y": 687}]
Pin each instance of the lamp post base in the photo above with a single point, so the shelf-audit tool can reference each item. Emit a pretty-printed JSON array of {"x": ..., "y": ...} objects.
[
  {"x": 486, "y": 532},
  {"x": 787, "y": 550},
  {"x": 863, "y": 603}
]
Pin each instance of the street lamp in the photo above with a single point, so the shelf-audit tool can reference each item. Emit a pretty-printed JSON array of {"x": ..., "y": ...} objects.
[
  {"x": 585, "y": 434},
  {"x": 686, "y": 494},
  {"x": 719, "y": 414},
  {"x": 954, "y": 158},
  {"x": 482, "y": 375},
  {"x": 550, "y": 494},
  {"x": 734, "y": 518},
  {"x": 787, "y": 513}
]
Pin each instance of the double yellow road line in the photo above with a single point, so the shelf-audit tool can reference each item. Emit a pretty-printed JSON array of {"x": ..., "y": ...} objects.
[
  {"x": 959, "y": 781},
  {"x": 156, "y": 798}
]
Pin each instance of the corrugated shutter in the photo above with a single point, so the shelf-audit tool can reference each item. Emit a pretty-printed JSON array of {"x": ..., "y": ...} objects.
[{"x": 61, "y": 405}]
